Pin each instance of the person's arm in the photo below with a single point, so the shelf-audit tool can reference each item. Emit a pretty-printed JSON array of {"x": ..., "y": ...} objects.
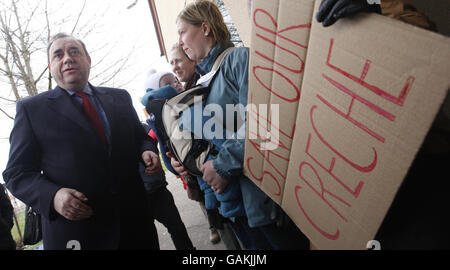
[
  {"x": 163, "y": 149},
  {"x": 142, "y": 141},
  {"x": 24, "y": 178},
  {"x": 23, "y": 175},
  {"x": 229, "y": 161},
  {"x": 6, "y": 208},
  {"x": 331, "y": 11},
  {"x": 144, "y": 99},
  {"x": 148, "y": 150},
  {"x": 404, "y": 11},
  {"x": 228, "y": 164}
]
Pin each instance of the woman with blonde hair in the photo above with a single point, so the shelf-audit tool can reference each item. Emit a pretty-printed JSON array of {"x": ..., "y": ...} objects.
[
  {"x": 184, "y": 69},
  {"x": 203, "y": 36},
  {"x": 182, "y": 66}
]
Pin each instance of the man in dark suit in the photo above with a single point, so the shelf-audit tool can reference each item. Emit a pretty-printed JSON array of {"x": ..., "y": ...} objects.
[{"x": 74, "y": 158}]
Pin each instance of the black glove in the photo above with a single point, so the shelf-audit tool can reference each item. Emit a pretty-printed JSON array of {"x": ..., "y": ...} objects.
[{"x": 332, "y": 10}]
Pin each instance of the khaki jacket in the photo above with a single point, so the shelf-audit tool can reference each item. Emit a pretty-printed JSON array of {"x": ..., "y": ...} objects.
[
  {"x": 437, "y": 141},
  {"x": 404, "y": 11}
]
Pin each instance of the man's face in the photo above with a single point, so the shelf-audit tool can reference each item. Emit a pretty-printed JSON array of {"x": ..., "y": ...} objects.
[
  {"x": 181, "y": 65},
  {"x": 69, "y": 64}
]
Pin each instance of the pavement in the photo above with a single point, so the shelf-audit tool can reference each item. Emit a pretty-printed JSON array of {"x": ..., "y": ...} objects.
[{"x": 195, "y": 221}]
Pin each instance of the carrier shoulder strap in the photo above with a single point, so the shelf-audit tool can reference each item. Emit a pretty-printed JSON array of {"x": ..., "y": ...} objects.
[
  {"x": 187, "y": 97},
  {"x": 208, "y": 78},
  {"x": 192, "y": 152},
  {"x": 220, "y": 58}
]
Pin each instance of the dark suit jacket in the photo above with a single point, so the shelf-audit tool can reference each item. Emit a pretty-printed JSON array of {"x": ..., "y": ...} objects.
[{"x": 54, "y": 146}]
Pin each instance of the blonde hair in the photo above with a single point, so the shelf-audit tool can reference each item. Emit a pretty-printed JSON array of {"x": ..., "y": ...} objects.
[
  {"x": 177, "y": 46},
  {"x": 206, "y": 11}
]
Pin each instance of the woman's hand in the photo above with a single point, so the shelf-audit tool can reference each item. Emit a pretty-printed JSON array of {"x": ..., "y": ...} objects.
[
  {"x": 177, "y": 165},
  {"x": 217, "y": 183}
]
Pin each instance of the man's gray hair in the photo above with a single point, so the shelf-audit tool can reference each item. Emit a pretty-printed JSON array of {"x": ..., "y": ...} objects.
[{"x": 64, "y": 35}]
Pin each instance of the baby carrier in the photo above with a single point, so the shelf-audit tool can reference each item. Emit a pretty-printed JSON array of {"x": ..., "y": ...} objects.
[{"x": 190, "y": 151}]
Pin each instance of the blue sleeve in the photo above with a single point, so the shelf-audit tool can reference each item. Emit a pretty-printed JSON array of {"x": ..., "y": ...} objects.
[
  {"x": 144, "y": 99},
  {"x": 164, "y": 92},
  {"x": 229, "y": 162}
]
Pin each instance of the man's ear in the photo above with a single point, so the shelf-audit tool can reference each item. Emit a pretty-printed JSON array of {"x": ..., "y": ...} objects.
[{"x": 89, "y": 60}]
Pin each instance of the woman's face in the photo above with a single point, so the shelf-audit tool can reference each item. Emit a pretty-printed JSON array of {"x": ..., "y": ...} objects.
[
  {"x": 181, "y": 65},
  {"x": 194, "y": 40}
]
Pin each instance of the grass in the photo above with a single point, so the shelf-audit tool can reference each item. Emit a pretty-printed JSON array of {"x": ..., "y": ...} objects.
[{"x": 15, "y": 233}]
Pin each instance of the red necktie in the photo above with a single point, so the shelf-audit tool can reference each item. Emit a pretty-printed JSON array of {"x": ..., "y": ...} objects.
[{"x": 92, "y": 116}]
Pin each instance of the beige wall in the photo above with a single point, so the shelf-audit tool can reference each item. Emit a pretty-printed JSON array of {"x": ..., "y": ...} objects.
[
  {"x": 168, "y": 11},
  {"x": 238, "y": 10},
  {"x": 239, "y": 13},
  {"x": 167, "y": 14}
]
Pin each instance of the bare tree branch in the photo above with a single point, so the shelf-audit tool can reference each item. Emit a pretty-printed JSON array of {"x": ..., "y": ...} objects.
[
  {"x": 10, "y": 76},
  {"x": 25, "y": 55},
  {"x": 48, "y": 40},
  {"x": 24, "y": 38},
  {"x": 31, "y": 17},
  {"x": 12, "y": 47},
  {"x": 9, "y": 116},
  {"x": 40, "y": 76},
  {"x": 132, "y": 4},
  {"x": 10, "y": 100},
  {"x": 78, "y": 18}
]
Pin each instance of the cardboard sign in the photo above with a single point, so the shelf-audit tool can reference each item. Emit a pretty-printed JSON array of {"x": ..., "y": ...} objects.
[
  {"x": 277, "y": 64},
  {"x": 356, "y": 101}
]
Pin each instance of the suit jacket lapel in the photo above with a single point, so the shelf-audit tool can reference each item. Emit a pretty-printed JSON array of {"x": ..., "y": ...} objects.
[
  {"x": 107, "y": 102},
  {"x": 61, "y": 103}
]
